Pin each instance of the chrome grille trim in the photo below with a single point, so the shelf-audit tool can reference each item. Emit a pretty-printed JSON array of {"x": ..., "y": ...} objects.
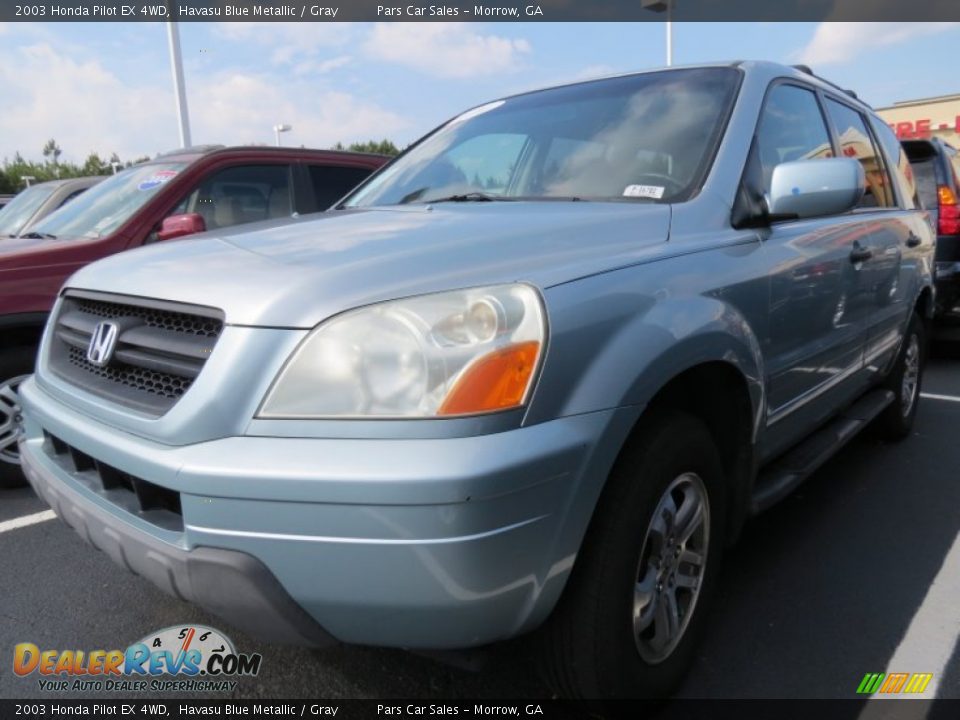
[{"x": 161, "y": 348}]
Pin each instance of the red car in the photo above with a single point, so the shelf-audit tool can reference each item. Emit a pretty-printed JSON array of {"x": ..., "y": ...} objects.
[{"x": 176, "y": 194}]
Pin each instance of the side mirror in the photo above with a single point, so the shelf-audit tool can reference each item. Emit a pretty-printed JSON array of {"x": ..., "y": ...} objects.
[
  {"x": 812, "y": 188},
  {"x": 179, "y": 225}
]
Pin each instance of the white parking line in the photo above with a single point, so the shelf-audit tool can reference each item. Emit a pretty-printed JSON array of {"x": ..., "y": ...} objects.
[
  {"x": 929, "y": 642},
  {"x": 934, "y": 396},
  {"x": 27, "y": 520}
]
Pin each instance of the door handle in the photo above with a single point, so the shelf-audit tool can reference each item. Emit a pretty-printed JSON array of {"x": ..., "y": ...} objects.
[
  {"x": 860, "y": 254},
  {"x": 913, "y": 240}
]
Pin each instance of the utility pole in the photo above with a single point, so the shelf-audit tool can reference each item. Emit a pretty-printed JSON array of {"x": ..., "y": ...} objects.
[
  {"x": 659, "y": 6},
  {"x": 176, "y": 63}
]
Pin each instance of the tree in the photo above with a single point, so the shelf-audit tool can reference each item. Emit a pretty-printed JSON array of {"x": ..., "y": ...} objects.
[
  {"x": 382, "y": 147},
  {"x": 13, "y": 171},
  {"x": 94, "y": 165},
  {"x": 52, "y": 151},
  {"x": 7, "y": 186}
]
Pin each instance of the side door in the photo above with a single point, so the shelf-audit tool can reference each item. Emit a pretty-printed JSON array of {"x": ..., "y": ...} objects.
[
  {"x": 817, "y": 307},
  {"x": 239, "y": 194},
  {"x": 900, "y": 233}
]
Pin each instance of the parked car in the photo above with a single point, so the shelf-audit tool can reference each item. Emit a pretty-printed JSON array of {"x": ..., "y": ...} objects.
[
  {"x": 34, "y": 203},
  {"x": 937, "y": 169},
  {"x": 177, "y": 194},
  {"x": 534, "y": 374}
]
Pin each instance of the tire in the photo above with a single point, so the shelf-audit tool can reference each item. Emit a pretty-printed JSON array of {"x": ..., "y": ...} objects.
[
  {"x": 896, "y": 422},
  {"x": 592, "y": 650},
  {"x": 16, "y": 364}
]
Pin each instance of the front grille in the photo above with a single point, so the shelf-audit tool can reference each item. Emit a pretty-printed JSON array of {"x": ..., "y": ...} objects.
[
  {"x": 155, "y": 504},
  {"x": 160, "y": 348}
]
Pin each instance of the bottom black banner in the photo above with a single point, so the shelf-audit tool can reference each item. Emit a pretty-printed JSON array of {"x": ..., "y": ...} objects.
[{"x": 875, "y": 709}]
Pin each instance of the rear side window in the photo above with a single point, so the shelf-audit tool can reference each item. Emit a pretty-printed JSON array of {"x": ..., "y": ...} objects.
[
  {"x": 856, "y": 142},
  {"x": 899, "y": 163},
  {"x": 332, "y": 182},
  {"x": 791, "y": 128},
  {"x": 239, "y": 195}
]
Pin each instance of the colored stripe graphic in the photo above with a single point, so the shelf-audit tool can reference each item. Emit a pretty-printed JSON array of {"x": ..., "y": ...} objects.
[
  {"x": 894, "y": 683},
  {"x": 870, "y": 683},
  {"x": 918, "y": 682}
]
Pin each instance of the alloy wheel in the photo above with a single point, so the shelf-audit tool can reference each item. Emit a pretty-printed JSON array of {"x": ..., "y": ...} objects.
[
  {"x": 911, "y": 375},
  {"x": 10, "y": 420},
  {"x": 671, "y": 569}
]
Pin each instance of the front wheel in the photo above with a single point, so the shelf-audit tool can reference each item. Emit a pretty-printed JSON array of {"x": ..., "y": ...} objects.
[
  {"x": 896, "y": 422},
  {"x": 16, "y": 364},
  {"x": 630, "y": 618}
]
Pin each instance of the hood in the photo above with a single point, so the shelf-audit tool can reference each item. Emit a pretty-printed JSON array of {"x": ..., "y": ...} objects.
[
  {"x": 20, "y": 253},
  {"x": 298, "y": 275}
]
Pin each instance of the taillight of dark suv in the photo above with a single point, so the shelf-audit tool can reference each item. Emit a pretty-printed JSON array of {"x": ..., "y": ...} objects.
[{"x": 935, "y": 168}]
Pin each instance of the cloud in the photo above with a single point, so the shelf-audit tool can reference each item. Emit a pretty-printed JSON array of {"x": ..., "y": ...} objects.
[
  {"x": 450, "y": 50},
  {"x": 319, "y": 67},
  {"x": 95, "y": 111},
  {"x": 241, "y": 108},
  {"x": 80, "y": 103},
  {"x": 836, "y": 42},
  {"x": 300, "y": 45}
]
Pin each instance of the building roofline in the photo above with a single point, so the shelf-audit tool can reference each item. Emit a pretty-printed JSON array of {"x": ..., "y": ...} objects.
[{"x": 921, "y": 101}]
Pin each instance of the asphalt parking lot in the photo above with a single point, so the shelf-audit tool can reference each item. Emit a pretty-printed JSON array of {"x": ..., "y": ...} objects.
[{"x": 856, "y": 572}]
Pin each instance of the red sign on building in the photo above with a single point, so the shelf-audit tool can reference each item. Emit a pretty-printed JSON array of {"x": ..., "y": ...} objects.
[{"x": 920, "y": 129}]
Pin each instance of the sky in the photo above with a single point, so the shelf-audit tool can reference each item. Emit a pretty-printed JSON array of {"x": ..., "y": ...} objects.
[{"x": 107, "y": 88}]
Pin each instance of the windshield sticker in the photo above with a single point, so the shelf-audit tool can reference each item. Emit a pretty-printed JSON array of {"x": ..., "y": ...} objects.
[
  {"x": 157, "y": 179},
  {"x": 644, "y": 191}
]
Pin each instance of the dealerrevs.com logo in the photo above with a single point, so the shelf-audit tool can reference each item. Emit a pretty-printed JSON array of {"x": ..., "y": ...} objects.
[{"x": 199, "y": 658}]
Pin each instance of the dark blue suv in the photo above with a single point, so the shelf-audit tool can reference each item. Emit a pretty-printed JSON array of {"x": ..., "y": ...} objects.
[{"x": 936, "y": 166}]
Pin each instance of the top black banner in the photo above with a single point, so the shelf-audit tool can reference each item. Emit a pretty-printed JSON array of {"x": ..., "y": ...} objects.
[{"x": 457, "y": 10}]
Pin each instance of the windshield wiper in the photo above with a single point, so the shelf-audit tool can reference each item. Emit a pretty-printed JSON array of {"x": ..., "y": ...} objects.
[
  {"x": 467, "y": 197},
  {"x": 38, "y": 236}
]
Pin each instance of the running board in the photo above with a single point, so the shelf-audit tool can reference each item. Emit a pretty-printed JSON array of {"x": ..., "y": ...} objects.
[{"x": 782, "y": 476}]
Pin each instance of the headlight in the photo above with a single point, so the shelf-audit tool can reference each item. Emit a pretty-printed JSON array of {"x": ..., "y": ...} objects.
[{"x": 454, "y": 353}]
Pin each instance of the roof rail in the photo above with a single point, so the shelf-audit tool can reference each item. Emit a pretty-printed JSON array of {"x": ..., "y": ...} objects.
[{"x": 807, "y": 69}]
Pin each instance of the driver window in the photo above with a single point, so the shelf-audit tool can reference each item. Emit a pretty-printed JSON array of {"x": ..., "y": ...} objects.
[
  {"x": 791, "y": 128},
  {"x": 239, "y": 195}
]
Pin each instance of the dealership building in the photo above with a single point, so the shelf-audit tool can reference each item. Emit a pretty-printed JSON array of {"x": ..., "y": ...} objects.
[{"x": 928, "y": 117}]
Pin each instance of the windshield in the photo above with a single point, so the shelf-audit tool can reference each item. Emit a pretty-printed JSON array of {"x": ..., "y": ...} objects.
[
  {"x": 643, "y": 137},
  {"x": 106, "y": 206},
  {"x": 15, "y": 214}
]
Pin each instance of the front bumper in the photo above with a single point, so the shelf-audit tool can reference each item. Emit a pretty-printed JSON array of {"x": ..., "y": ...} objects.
[{"x": 429, "y": 543}]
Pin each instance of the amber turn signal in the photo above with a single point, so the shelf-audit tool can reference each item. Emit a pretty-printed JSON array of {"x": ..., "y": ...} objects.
[{"x": 494, "y": 382}]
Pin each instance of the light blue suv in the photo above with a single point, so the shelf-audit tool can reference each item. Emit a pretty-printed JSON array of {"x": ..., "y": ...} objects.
[{"x": 535, "y": 372}]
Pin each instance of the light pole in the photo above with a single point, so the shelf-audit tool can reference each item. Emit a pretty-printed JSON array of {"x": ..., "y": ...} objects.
[
  {"x": 280, "y": 128},
  {"x": 27, "y": 179},
  {"x": 661, "y": 6},
  {"x": 176, "y": 64}
]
